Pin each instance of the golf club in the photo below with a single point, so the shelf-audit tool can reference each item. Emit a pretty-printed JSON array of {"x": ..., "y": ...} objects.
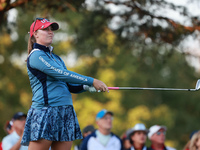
[{"x": 197, "y": 87}]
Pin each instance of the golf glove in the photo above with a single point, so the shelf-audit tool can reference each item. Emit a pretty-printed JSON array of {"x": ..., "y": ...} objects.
[{"x": 89, "y": 88}]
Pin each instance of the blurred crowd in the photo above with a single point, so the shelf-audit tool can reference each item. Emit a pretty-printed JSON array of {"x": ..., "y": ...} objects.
[{"x": 102, "y": 138}]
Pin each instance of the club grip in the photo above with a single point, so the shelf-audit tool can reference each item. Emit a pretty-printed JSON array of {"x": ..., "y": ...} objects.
[{"x": 113, "y": 88}]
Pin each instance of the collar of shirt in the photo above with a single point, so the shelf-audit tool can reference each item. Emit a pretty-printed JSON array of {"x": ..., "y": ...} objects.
[
  {"x": 42, "y": 47},
  {"x": 138, "y": 148},
  {"x": 103, "y": 139},
  {"x": 153, "y": 147},
  {"x": 142, "y": 148}
]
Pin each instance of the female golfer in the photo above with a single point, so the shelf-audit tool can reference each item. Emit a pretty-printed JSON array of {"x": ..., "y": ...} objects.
[{"x": 51, "y": 120}]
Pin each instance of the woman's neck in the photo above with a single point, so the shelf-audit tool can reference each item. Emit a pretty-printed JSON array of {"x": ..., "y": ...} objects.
[
  {"x": 44, "y": 44},
  {"x": 104, "y": 132},
  {"x": 138, "y": 145}
]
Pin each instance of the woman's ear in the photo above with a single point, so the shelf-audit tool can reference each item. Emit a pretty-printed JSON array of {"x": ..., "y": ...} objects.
[{"x": 35, "y": 34}]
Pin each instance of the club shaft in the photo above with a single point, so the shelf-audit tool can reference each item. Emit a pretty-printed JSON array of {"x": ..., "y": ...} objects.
[{"x": 141, "y": 88}]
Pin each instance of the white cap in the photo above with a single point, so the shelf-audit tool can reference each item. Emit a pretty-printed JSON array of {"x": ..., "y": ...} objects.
[
  {"x": 155, "y": 128},
  {"x": 137, "y": 127}
]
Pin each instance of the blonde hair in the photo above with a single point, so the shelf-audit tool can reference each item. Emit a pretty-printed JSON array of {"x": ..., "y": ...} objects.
[
  {"x": 194, "y": 139},
  {"x": 31, "y": 41}
]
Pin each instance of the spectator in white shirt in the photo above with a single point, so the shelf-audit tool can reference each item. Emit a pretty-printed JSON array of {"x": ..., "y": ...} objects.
[
  {"x": 102, "y": 138},
  {"x": 13, "y": 140}
]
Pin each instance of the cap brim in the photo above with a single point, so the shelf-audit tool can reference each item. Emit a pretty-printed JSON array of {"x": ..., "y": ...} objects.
[
  {"x": 109, "y": 112},
  {"x": 54, "y": 26},
  {"x": 163, "y": 127},
  {"x": 133, "y": 131},
  {"x": 20, "y": 117}
]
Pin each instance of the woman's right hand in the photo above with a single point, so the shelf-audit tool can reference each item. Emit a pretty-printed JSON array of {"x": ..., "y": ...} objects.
[{"x": 100, "y": 86}]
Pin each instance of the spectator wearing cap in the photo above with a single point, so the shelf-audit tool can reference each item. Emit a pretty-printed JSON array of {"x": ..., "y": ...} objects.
[
  {"x": 195, "y": 141},
  {"x": 187, "y": 145},
  {"x": 86, "y": 131},
  {"x": 157, "y": 137},
  {"x": 102, "y": 138},
  {"x": 138, "y": 136},
  {"x": 13, "y": 140},
  {"x": 8, "y": 129}
]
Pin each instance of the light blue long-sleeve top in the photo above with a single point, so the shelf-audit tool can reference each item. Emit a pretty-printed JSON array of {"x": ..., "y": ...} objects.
[{"x": 50, "y": 80}]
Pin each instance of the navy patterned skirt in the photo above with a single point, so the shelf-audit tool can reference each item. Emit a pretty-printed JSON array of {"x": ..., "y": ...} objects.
[{"x": 51, "y": 123}]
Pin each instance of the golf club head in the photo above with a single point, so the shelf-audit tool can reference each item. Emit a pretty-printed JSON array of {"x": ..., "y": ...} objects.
[{"x": 197, "y": 87}]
